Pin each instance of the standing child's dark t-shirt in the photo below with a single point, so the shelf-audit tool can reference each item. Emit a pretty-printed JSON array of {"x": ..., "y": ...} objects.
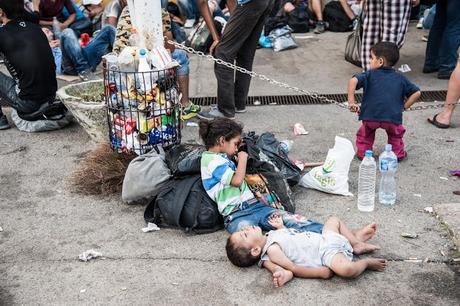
[
  {"x": 29, "y": 59},
  {"x": 384, "y": 94}
]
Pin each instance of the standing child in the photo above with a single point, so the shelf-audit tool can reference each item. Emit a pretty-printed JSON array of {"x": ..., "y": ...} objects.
[{"x": 386, "y": 94}]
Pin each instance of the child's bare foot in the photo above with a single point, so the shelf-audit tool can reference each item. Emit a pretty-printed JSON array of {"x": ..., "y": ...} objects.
[
  {"x": 281, "y": 277},
  {"x": 362, "y": 248},
  {"x": 366, "y": 233},
  {"x": 376, "y": 264}
]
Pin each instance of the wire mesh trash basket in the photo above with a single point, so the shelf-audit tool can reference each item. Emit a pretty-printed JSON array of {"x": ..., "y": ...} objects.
[{"x": 143, "y": 109}]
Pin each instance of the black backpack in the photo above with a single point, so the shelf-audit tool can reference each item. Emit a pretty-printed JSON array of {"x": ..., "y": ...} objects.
[
  {"x": 336, "y": 17},
  {"x": 298, "y": 20},
  {"x": 276, "y": 182},
  {"x": 185, "y": 204}
]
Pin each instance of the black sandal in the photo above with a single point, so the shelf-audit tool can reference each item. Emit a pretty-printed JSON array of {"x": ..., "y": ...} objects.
[{"x": 438, "y": 124}]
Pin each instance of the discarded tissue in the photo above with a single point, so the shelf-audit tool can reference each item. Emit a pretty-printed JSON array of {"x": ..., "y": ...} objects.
[
  {"x": 88, "y": 255},
  {"x": 150, "y": 228}
]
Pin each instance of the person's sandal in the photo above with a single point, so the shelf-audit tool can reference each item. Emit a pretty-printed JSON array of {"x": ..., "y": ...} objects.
[{"x": 438, "y": 124}]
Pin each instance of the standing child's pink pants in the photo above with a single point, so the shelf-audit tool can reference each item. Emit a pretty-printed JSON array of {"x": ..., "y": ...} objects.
[{"x": 366, "y": 135}]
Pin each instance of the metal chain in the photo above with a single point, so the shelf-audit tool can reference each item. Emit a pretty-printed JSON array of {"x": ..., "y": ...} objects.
[{"x": 314, "y": 95}]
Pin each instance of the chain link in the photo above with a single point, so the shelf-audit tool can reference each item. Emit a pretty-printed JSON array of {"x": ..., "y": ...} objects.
[{"x": 314, "y": 95}]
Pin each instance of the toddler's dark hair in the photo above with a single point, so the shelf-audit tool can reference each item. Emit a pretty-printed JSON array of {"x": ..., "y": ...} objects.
[
  {"x": 240, "y": 256},
  {"x": 211, "y": 131},
  {"x": 388, "y": 50}
]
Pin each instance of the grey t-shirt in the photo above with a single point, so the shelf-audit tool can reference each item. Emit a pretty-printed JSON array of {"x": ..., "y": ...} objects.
[
  {"x": 302, "y": 248},
  {"x": 113, "y": 9}
]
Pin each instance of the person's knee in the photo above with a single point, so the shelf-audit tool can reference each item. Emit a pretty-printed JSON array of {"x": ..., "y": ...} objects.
[
  {"x": 67, "y": 33},
  {"x": 288, "y": 7},
  {"x": 346, "y": 270},
  {"x": 333, "y": 221}
]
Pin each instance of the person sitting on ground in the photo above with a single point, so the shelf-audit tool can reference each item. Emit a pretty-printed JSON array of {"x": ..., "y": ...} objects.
[
  {"x": 124, "y": 27},
  {"x": 33, "y": 76},
  {"x": 386, "y": 94},
  {"x": 305, "y": 254},
  {"x": 351, "y": 7},
  {"x": 94, "y": 7},
  {"x": 113, "y": 11},
  {"x": 442, "y": 119},
  {"x": 82, "y": 23},
  {"x": 55, "y": 45},
  {"x": 50, "y": 9},
  {"x": 83, "y": 61}
]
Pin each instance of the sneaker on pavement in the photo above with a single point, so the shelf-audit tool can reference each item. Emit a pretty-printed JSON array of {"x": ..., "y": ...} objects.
[
  {"x": 4, "y": 125},
  {"x": 86, "y": 75},
  {"x": 241, "y": 110},
  {"x": 213, "y": 114},
  {"x": 320, "y": 27},
  {"x": 190, "y": 111}
]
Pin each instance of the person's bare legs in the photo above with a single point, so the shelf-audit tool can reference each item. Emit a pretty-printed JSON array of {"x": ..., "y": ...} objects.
[
  {"x": 316, "y": 7},
  {"x": 280, "y": 276},
  {"x": 336, "y": 225},
  {"x": 453, "y": 94},
  {"x": 347, "y": 9},
  {"x": 366, "y": 232},
  {"x": 183, "y": 87},
  {"x": 351, "y": 269}
]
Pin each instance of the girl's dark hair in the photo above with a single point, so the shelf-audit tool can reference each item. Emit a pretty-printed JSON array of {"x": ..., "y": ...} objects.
[
  {"x": 12, "y": 8},
  {"x": 211, "y": 131}
]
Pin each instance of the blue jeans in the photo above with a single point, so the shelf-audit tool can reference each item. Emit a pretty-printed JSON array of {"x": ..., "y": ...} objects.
[
  {"x": 90, "y": 56},
  {"x": 258, "y": 214},
  {"x": 178, "y": 32},
  {"x": 444, "y": 37},
  {"x": 81, "y": 24},
  {"x": 188, "y": 8},
  {"x": 181, "y": 57}
]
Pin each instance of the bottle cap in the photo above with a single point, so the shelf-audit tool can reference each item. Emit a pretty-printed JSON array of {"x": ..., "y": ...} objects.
[
  {"x": 142, "y": 52},
  {"x": 388, "y": 147},
  {"x": 369, "y": 153}
]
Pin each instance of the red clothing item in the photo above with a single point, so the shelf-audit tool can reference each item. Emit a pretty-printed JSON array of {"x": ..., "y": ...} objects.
[
  {"x": 50, "y": 9},
  {"x": 366, "y": 135}
]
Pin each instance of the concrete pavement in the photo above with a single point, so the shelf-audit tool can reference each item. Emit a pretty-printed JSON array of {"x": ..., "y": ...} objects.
[{"x": 45, "y": 225}]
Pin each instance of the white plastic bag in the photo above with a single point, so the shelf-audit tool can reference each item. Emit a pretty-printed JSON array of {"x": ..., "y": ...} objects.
[
  {"x": 332, "y": 176},
  {"x": 145, "y": 176}
]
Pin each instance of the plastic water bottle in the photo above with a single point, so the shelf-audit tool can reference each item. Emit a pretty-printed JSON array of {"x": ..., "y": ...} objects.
[
  {"x": 134, "y": 38},
  {"x": 56, "y": 28},
  {"x": 145, "y": 78},
  {"x": 366, "y": 183},
  {"x": 388, "y": 164}
]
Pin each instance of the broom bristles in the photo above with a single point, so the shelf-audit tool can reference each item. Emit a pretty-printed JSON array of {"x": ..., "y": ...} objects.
[{"x": 101, "y": 172}]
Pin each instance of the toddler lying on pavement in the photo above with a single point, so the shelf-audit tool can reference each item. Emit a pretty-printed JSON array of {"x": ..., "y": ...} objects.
[{"x": 304, "y": 254}]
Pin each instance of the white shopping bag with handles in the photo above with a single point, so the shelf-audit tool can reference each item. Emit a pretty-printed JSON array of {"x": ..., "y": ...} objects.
[{"x": 332, "y": 176}]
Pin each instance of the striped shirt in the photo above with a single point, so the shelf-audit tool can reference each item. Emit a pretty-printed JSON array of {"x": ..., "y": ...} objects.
[{"x": 217, "y": 172}]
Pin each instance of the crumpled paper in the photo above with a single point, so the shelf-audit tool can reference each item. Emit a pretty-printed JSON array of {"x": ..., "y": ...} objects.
[
  {"x": 151, "y": 227},
  {"x": 88, "y": 255}
]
